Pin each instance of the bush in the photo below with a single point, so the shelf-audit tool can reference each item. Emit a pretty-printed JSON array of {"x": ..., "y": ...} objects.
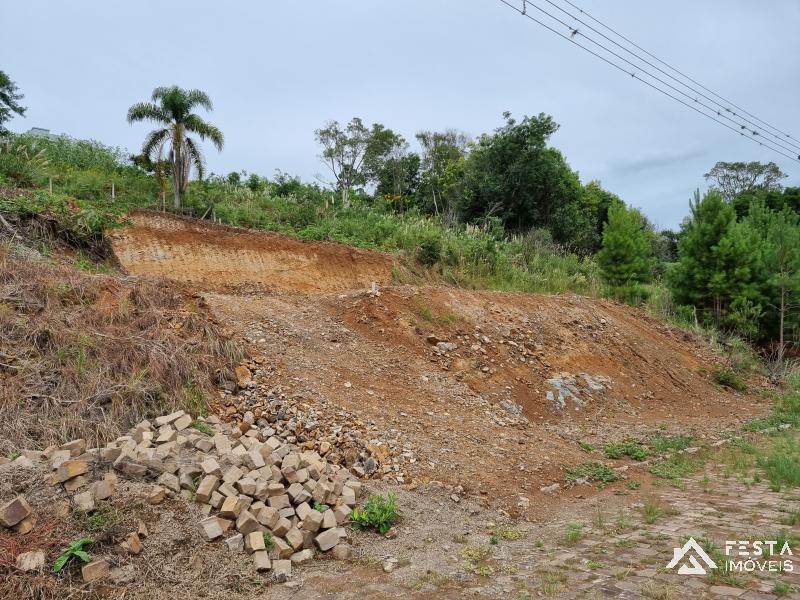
[
  {"x": 630, "y": 448},
  {"x": 729, "y": 379},
  {"x": 592, "y": 471},
  {"x": 378, "y": 512}
]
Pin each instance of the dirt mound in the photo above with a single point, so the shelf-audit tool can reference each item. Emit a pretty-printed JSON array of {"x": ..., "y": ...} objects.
[
  {"x": 225, "y": 258},
  {"x": 488, "y": 392}
]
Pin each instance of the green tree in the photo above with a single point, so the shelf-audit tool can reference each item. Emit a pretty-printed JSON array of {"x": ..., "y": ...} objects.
[
  {"x": 355, "y": 154},
  {"x": 513, "y": 175},
  {"x": 9, "y": 100},
  {"x": 442, "y": 161},
  {"x": 734, "y": 178},
  {"x": 718, "y": 265},
  {"x": 625, "y": 258},
  {"x": 172, "y": 108}
]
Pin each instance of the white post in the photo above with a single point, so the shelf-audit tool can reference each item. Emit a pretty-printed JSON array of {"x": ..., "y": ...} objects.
[
  {"x": 113, "y": 191},
  {"x": 50, "y": 184}
]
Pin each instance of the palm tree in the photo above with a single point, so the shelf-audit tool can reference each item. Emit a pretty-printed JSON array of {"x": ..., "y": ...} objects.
[{"x": 172, "y": 108}]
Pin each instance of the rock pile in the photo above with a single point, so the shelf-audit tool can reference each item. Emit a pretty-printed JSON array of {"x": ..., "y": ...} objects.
[
  {"x": 262, "y": 495},
  {"x": 335, "y": 434}
]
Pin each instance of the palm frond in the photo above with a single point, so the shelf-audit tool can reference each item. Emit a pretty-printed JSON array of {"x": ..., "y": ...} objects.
[
  {"x": 198, "y": 98},
  {"x": 196, "y": 124},
  {"x": 144, "y": 111},
  {"x": 194, "y": 154},
  {"x": 155, "y": 140}
]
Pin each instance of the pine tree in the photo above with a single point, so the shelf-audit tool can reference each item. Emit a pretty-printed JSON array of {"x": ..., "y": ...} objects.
[{"x": 625, "y": 258}]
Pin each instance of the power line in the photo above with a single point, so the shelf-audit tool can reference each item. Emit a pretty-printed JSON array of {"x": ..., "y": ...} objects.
[
  {"x": 725, "y": 106},
  {"x": 681, "y": 73},
  {"x": 720, "y": 113},
  {"x": 524, "y": 13}
]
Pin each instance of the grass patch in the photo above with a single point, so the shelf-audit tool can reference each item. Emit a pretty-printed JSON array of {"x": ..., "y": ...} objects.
[
  {"x": 676, "y": 468},
  {"x": 592, "y": 471},
  {"x": 651, "y": 511},
  {"x": 475, "y": 554},
  {"x": 552, "y": 582},
  {"x": 673, "y": 443},
  {"x": 630, "y": 448},
  {"x": 729, "y": 379},
  {"x": 573, "y": 534},
  {"x": 203, "y": 427},
  {"x": 102, "y": 519},
  {"x": 510, "y": 533},
  {"x": 428, "y": 314},
  {"x": 781, "y": 464},
  {"x": 586, "y": 447},
  {"x": 782, "y": 589}
]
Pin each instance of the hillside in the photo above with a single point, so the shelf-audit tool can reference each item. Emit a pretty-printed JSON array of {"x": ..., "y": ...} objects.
[{"x": 455, "y": 385}]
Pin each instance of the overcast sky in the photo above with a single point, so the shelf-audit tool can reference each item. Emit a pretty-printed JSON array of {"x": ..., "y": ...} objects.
[{"x": 278, "y": 70}]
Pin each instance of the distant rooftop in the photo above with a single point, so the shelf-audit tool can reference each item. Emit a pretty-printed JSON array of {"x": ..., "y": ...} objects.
[{"x": 41, "y": 132}]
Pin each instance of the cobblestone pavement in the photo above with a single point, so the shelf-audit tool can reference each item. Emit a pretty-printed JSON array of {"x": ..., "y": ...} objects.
[{"x": 617, "y": 547}]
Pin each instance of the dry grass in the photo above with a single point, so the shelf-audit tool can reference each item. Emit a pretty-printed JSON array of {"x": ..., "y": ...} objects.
[{"x": 87, "y": 356}]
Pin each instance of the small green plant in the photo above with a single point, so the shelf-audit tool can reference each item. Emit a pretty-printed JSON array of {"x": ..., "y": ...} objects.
[
  {"x": 269, "y": 543},
  {"x": 632, "y": 484},
  {"x": 661, "y": 444},
  {"x": 378, "y": 512},
  {"x": 494, "y": 540},
  {"x": 592, "y": 471},
  {"x": 552, "y": 581},
  {"x": 202, "y": 427},
  {"x": 651, "y": 511},
  {"x": 475, "y": 554},
  {"x": 729, "y": 379},
  {"x": 74, "y": 550},
  {"x": 586, "y": 447},
  {"x": 781, "y": 589},
  {"x": 573, "y": 533},
  {"x": 101, "y": 519},
  {"x": 510, "y": 533},
  {"x": 792, "y": 518},
  {"x": 676, "y": 467},
  {"x": 630, "y": 448},
  {"x": 319, "y": 506}
]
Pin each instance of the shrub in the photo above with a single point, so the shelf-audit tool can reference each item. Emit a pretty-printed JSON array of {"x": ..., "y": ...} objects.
[
  {"x": 378, "y": 512},
  {"x": 730, "y": 379},
  {"x": 592, "y": 471},
  {"x": 630, "y": 448}
]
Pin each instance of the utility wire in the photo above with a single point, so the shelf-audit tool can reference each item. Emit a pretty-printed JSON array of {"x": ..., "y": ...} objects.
[
  {"x": 524, "y": 13},
  {"x": 574, "y": 31},
  {"x": 726, "y": 106},
  {"x": 684, "y": 75}
]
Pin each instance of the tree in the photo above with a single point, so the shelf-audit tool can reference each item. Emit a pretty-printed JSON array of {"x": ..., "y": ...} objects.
[
  {"x": 778, "y": 238},
  {"x": 718, "y": 263},
  {"x": 626, "y": 256},
  {"x": 355, "y": 154},
  {"x": 513, "y": 175},
  {"x": 172, "y": 107},
  {"x": 734, "y": 178},
  {"x": 442, "y": 151},
  {"x": 9, "y": 100}
]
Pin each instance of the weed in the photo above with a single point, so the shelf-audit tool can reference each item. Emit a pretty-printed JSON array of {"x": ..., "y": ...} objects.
[
  {"x": 729, "y": 379},
  {"x": 676, "y": 467},
  {"x": 651, "y": 511},
  {"x": 494, "y": 540},
  {"x": 722, "y": 574},
  {"x": 573, "y": 534},
  {"x": 593, "y": 564},
  {"x": 657, "y": 591},
  {"x": 101, "y": 519},
  {"x": 426, "y": 313},
  {"x": 510, "y": 533},
  {"x": 632, "y": 484},
  {"x": 482, "y": 570},
  {"x": 202, "y": 427},
  {"x": 475, "y": 554},
  {"x": 782, "y": 464},
  {"x": 432, "y": 578},
  {"x": 74, "y": 550},
  {"x": 586, "y": 447},
  {"x": 792, "y": 518},
  {"x": 781, "y": 589},
  {"x": 319, "y": 507},
  {"x": 592, "y": 471},
  {"x": 378, "y": 512},
  {"x": 508, "y": 569},
  {"x": 661, "y": 444},
  {"x": 552, "y": 582},
  {"x": 600, "y": 520},
  {"x": 630, "y": 448},
  {"x": 622, "y": 522},
  {"x": 269, "y": 543}
]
